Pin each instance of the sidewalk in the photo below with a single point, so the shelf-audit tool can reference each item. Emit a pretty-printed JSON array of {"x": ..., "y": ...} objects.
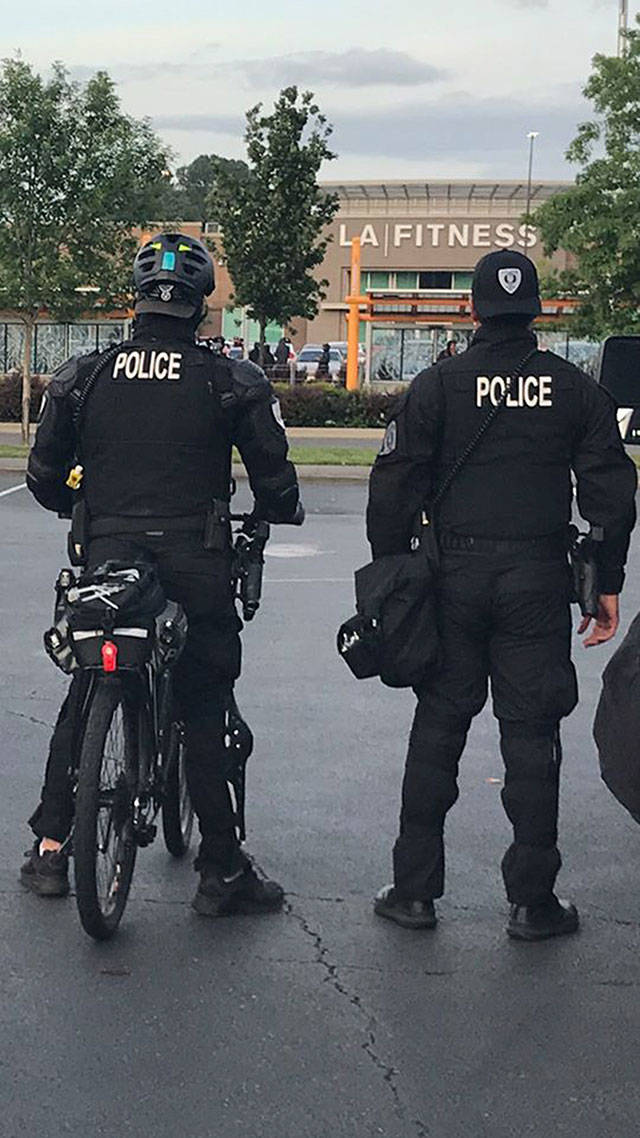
[{"x": 10, "y": 433}]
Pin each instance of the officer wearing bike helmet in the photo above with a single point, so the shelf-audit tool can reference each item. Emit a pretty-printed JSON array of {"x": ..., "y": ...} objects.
[
  {"x": 503, "y": 588},
  {"x": 153, "y": 422}
]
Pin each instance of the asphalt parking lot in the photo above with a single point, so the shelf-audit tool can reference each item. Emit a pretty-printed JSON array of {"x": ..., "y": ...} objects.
[{"x": 322, "y": 1020}]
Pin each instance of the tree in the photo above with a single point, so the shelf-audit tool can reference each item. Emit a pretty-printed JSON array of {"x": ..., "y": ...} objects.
[
  {"x": 184, "y": 197},
  {"x": 598, "y": 219},
  {"x": 76, "y": 175},
  {"x": 274, "y": 219},
  {"x": 198, "y": 180}
]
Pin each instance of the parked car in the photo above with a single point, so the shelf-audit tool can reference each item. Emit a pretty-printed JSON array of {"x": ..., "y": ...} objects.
[
  {"x": 309, "y": 358},
  {"x": 341, "y": 345}
]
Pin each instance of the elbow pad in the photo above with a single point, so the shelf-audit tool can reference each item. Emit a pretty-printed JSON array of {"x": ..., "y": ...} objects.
[{"x": 277, "y": 497}]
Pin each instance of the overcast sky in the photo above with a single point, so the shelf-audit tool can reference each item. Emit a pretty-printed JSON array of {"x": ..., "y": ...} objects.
[{"x": 414, "y": 88}]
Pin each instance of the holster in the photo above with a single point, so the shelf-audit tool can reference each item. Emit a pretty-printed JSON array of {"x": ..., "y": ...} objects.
[
  {"x": 584, "y": 567},
  {"x": 78, "y": 539},
  {"x": 217, "y": 527}
]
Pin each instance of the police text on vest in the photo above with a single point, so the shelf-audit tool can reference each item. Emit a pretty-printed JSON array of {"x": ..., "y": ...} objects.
[
  {"x": 523, "y": 391},
  {"x": 144, "y": 364}
]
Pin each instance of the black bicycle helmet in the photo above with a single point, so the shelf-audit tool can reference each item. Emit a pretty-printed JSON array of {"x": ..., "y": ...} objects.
[{"x": 171, "y": 274}]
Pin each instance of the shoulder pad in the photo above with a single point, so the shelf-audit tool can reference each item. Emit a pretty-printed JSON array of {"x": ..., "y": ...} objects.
[
  {"x": 249, "y": 381},
  {"x": 65, "y": 377},
  {"x": 73, "y": 371}
]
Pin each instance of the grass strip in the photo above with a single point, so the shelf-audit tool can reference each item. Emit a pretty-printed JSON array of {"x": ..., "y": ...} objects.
[
  {"x": 301, "y": 455},
  {"x": 7, "y": 450},
  {"x": 332, "y": 456},
  {"x": 327, "y": 455}
]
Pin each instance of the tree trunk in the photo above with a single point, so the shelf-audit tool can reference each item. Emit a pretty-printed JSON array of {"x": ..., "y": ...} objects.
[
  {"x": 263, "y": 329},
  {"x": 28, "y": 322}
]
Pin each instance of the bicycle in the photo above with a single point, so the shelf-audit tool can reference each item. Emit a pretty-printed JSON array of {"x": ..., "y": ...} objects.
[{"x": 115, "y": 628}]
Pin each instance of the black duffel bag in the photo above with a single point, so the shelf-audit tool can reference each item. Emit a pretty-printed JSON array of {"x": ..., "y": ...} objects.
[
  {"x": 394, "y": 633},
  {"x": 617, "y": 723}
]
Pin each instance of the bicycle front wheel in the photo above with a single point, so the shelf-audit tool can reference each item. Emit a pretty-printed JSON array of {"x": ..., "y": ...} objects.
[{"x": 103, "y": 842}]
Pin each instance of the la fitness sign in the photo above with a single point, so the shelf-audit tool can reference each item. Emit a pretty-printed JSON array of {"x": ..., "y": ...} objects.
[{"x": 390, "y": 236}]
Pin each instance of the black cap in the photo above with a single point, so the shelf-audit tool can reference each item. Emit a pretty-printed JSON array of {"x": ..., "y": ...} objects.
[{"x": 505, "y": 283}]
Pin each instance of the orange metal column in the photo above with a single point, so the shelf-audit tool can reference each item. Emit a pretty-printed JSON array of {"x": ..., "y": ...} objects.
[{"x": 353, "y": 301}]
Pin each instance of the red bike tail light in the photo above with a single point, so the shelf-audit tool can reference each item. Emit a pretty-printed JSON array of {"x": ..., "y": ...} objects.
[{"x": 109, "y": 656}]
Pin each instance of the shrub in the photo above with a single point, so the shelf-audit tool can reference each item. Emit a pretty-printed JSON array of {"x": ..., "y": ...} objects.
[
  {"x": 325, "y": 405},
  {"x": 11, "y": 393}
]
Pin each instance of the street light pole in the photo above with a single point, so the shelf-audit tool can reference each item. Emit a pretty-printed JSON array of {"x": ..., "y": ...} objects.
[
  {"x": 623, "y": 24},
  {"x": 532, "y": 135}
]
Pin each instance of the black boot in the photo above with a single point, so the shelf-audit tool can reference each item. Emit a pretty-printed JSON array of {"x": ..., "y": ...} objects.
[
  {"x": 237, "y": 890},
  {"x": 539, "y": 922},
  {"x": 409, "y": 914},
  {"x": 46, "y": 874}
]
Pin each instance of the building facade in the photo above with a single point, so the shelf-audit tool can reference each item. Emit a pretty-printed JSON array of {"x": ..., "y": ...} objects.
[{"x": 419, "y": 240}]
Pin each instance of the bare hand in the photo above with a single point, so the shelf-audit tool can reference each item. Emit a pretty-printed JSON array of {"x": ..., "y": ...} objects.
[{"x": 606, "y": 623}]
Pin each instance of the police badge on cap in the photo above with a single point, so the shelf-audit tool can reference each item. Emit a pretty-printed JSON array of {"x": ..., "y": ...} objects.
[{"x": 505, "y": 283}]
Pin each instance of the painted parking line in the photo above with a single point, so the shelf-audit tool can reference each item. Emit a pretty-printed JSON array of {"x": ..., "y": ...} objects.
[
  {"x": 283, "y": 549},
  {"x": 12, "y": 489},
  {"x": 309, "y": 580}
]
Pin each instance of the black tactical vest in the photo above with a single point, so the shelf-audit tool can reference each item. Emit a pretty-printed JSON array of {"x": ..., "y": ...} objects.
[
  {"x": 154, "y": 440},
  {"x": 518, "y": 481}
]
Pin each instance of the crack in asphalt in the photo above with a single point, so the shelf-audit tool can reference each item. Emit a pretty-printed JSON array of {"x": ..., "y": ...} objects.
[
  {"x": 30, "y": 719},
  {"x": 332, "y": 976},
  {"x": 331, "y": 900}
]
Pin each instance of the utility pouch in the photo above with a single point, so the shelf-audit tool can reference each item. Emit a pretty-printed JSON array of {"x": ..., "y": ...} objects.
[
  {"x": 78, "y": 539},
  {"x": 217, "y": 527}
]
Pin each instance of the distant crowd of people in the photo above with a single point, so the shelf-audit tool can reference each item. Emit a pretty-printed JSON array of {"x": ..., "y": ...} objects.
[{"x": 263, "y": 355}]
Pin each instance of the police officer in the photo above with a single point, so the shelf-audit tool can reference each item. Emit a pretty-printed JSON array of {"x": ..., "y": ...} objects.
[
  {"x": 153, "y": 422},
  {"x": 503, "y": 592}
]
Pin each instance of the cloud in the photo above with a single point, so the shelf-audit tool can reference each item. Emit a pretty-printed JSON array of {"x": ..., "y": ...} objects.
[
  {"x": 487, "y": 134},
  {"x": 357, "y": 67},
  {"x": 196, "y": 65},
  {"x": 530, "y": 3},
  {"x": 457, "y": 126}
]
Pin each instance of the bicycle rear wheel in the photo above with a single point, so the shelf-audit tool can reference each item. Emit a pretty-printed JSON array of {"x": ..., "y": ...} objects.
[
  {"x": 177, "y": 811},
  {"x": 103, "y": 842}
]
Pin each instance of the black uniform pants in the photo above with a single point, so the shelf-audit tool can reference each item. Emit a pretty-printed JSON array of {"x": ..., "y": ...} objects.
[
  {"x": 506, "y": 618},
  {"x": 199, "y": 580}
]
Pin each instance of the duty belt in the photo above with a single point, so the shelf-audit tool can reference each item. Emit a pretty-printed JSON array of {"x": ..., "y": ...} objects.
[
  {"x": 551, "y": 545},
  {"x": 106, "y": 527}
]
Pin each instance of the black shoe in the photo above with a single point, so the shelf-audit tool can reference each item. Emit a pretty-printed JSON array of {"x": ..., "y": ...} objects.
[
  {"x": 240, "y": 890},
  {"x": 46, "y": 874},
  {"x": 538, "y": 922},
  {"x": 409, "y": 914}
]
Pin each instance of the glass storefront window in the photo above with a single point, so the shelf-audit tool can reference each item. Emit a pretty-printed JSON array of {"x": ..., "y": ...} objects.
[
  {"x": 406, "y": 280},
  {"x": 109, "y": 334},
  {"x": 49, "y": 348},
  {"x": 14, "y": 346},
  {"x": 82, "y": 338},
  {"x": 462, "y": 280},
  {"x": 375, "y": 280},
  {"x": 434, "y": 279},
  {"x": 54, "y": 343},
  {"x": 398, "y": 354}
]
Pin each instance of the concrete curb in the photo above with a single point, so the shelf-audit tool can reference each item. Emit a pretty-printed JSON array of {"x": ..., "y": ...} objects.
[{"x": 306, "y": 473}]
